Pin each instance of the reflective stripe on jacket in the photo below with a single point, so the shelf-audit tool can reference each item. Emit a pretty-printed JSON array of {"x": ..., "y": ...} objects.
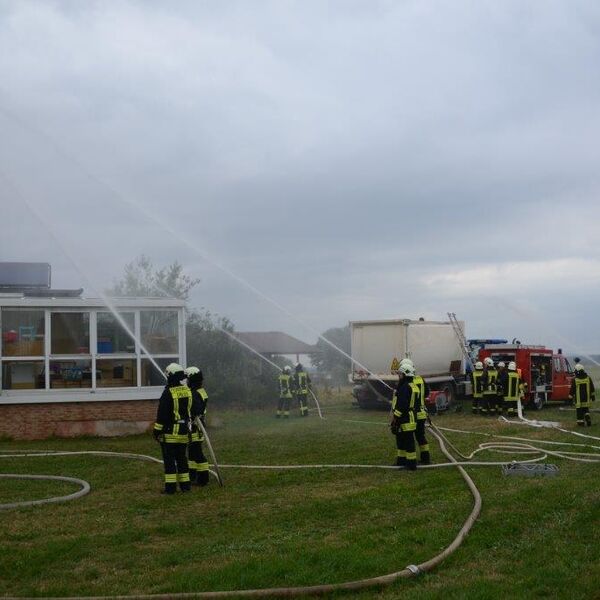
[
  {"x": 174, "y": 414},
  {"x": 582, "y": 390},
  {"x": 477, "y": 379},
  {"x": 490, "y": 378},
  {"x": 513, "y": 387},
  {"x": 420, "y": 406},
  {"x": 285, "y": 386},
  {"x": 302, "y": 383}
]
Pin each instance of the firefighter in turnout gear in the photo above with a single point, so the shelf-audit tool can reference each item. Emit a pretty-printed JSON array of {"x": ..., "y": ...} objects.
[
  {"x": 477, "y": 381},
  {"x": 582, "y": 394},
  {"x": 172, "y": 429},
  {"x": 197, "y": 461},
  {"x": 421, "y": 415},
  {"x": 301, "y": 386},
  {"x": 490, "y": 381},
  {"x": 285, "y": 392},
  {"x": 512, "y": 387},
  {"x": 499, "y": 387},
  {"x": 403, "y": 424}
]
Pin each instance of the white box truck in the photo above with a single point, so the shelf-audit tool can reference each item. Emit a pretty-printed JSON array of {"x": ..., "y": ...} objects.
[{"x": 433, "y": 346}]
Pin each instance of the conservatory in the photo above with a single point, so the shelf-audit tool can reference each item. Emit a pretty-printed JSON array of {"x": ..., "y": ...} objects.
[{"x": 74, "y": 349}]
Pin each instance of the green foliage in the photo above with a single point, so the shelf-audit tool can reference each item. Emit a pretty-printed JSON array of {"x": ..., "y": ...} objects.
[
  {"x": 330, "y": 363},
  {"x": 232, "y": 373},
  {"x": 141, "y": 278}
]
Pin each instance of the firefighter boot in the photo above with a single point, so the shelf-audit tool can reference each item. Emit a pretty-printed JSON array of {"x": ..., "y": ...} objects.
[
  {"x": 202, "y": 478},
  {"x": 588, "y": 419},
  {"x": 425, "y": 458}
]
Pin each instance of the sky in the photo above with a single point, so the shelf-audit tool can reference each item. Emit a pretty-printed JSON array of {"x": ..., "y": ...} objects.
[{"x": 348, "y": 160}]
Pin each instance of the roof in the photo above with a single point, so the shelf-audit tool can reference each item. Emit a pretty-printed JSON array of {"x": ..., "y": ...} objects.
[
  {"x": 275, "y": 342},
  {"x": 20, "y": 300}
]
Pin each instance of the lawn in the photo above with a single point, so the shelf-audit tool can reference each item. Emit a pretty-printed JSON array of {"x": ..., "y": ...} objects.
[{"x": 535, "y": 536}]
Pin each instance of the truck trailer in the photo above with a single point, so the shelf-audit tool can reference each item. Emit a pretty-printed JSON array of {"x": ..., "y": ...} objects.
[{"x": 433, "y": 346}]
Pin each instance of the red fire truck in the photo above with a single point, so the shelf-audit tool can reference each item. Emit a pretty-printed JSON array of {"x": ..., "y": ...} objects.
[{"x": 547, "y": 375}]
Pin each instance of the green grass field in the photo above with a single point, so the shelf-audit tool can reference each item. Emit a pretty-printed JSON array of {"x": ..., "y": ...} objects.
[{"x": 534, "y": 538}]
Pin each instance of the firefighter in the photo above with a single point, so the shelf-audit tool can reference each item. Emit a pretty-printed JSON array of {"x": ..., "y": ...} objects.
[
  {"x": 197, "y": 461},
  {"x": 583, "y": 394},
  {"x": 172, "y": 429},
  {"x": 285, "y": 392},
  {"x": 513, "y": 389},
  {"x": 420, "y": 415},
  {"x": 499, "y": 389},
  {"x": 490, "y": 376},
  {"x": 301, "y": 386},
  {"x": 403, "y": 424},
  {"x": 477, "y": 381}
]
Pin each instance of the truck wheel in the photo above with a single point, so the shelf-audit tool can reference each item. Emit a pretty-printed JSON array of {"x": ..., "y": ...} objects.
[
  {"x": 538, "y": 401},
  {"x": 450, "y": 392}
]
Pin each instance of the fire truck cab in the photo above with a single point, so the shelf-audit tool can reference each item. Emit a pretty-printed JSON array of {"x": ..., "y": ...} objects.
[{"x": 547, "y": 376}]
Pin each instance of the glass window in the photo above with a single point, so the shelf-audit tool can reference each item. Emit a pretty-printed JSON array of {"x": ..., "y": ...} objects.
[
  {"x": 150, "y": 375},
  {"x": 70, "y": 373},
  {"x": 159, "y": 331},
  {"x": 70, "y": 333},
  {"x": 112, "y": 336},
  {"x": 23, "y": 375},
  {"x": 23, "y": 332},
  {"x": 116, "y": 373}
]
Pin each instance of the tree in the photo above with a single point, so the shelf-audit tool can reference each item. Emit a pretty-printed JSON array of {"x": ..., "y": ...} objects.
[
  {"x": 329, "y": 362},
  {"x": 233, "y": 373},
  {"x": 142, "y": 279}
]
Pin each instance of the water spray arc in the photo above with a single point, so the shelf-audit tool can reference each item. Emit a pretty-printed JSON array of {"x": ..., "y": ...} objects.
[
  {"x": 83, "y": 272},
  {"x": 177, "y": 234}
]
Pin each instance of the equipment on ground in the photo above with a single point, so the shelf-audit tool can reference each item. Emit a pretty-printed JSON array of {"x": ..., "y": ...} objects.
[{"x": 530, "y": 470}]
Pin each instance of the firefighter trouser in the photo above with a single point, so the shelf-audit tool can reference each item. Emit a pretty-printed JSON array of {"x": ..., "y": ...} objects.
[
  {"x": 488, "y": 404},
  {"x": 476, "y": 406},
  {"x": 422, "y": 441},
  {"x": 510, "y": 407},
  {"x": 283, "y": 407},
  {"x": 303, "y": 404},
  {"x": 197, "y": 461},
  {"x": 583, "y": 416},
  {"x": 176, "y": 467},
  {"x": 405, "y": 443},
  {"x": 499, "y": 404}
]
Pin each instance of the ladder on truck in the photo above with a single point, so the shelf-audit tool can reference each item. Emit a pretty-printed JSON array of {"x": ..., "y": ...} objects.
[{"x": 462, "y": 340}]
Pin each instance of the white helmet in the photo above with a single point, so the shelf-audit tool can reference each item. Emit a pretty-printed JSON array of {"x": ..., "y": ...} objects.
[
  {"x": 286, "y": 369},
  {"x": 501, "y": 364},
  {"x": 407, "y": 369},
  {"x": 191, "y": 371},
  {"x": 512, "y": 365},
  {"x": 409, "y": 363},
  {"x": 488, "y": 362},
  {"x": 479, "y": 365},
  {"x": 579, "y": 367},
  {"x": 173, "y": 368}
]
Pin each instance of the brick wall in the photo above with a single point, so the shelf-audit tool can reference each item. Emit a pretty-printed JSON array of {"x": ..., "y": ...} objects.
[{"x": 69, "y": 419}]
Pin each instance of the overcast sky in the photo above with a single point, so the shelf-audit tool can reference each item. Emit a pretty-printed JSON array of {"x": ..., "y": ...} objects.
[{"x": 351, "y": 160}]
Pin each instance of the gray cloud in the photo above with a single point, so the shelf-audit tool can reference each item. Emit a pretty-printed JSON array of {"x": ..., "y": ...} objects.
[{"x": 350, "y": 159}]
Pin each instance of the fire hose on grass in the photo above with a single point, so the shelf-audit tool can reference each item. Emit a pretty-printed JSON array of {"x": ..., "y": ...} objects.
[{"x": 374, "y": 582}]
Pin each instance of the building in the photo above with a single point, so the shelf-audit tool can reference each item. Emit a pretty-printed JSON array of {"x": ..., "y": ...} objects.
[
  {"x": 276, "y": 343},
  {"x": 72, "y": 365}
]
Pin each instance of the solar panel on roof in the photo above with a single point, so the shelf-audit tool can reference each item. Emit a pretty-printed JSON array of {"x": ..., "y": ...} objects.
[{"x": 24, "y": 274}]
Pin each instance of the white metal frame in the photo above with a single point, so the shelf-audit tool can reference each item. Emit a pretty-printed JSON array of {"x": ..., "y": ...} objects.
[{"x": 93, "y": 307}]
